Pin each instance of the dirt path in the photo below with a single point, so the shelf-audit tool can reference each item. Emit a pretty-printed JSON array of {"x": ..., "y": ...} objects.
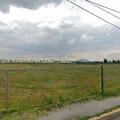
[{"x": 78, "y": 110}]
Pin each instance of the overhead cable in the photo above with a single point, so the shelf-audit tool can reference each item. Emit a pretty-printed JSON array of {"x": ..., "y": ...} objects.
[
  {"x": 93, "y": 14},
  {"x": 103, "y": 9},
  {"x": 103, "y": 6}
]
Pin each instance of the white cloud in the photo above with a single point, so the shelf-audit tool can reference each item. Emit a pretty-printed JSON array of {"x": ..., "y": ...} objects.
[
  {"x": 86, "y": 38},
  {"x": 43, "y": 15},
  {"x": 71, "y": 42},
  {"x": 50, "y": 29},
  {"x": 52, "y": 15}
]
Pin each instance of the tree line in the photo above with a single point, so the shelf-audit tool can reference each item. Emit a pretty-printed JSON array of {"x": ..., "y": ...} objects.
[{"x": 111, "y": 61}]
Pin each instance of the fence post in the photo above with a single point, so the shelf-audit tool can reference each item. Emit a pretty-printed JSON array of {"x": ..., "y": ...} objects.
[
  {"x": 7, "y": 91},
  {"x": 66, "y": 85},
  {"x": 102, "y": 78}
]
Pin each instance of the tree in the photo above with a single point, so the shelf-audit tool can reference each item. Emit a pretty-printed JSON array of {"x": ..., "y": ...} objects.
[{"x": 105, "y": 61}]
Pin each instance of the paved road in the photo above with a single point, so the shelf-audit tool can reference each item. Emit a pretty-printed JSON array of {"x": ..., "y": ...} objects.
[{"x": 77, "y": 110}]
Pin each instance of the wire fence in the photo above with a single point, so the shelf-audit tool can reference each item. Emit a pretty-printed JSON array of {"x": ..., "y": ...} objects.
[
  {"x": 34, "y": 88},
  {"x": 112, "y": 78}
]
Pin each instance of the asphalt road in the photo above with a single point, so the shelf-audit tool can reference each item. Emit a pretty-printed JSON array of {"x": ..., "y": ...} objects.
[{"x": 78, "y": 110}]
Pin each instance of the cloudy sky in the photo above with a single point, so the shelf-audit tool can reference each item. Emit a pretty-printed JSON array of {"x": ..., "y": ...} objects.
[{"x": 56, "y": 29}]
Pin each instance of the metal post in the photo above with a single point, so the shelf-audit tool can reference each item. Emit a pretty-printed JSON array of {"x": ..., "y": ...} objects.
[
  {"x": 66, "y": 85},
  {"x": 102, "y": 78},
  {"x": 7, "y": 91}
]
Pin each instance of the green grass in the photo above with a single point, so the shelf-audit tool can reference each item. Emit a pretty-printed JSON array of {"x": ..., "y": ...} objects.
[{"x": 33, "y": 90}]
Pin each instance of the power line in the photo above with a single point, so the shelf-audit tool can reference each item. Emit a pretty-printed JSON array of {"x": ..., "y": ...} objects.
[
  {"x": 103, "y": 9},
  {"x": 103, "y": 6},
  {"x": 94, "y": 14}
]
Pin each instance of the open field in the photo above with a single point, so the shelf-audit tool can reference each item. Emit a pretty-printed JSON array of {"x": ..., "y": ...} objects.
[{"x": 35, "y": 89}]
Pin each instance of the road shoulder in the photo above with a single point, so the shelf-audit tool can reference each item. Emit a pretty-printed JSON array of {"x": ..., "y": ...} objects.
[{"x": 108, "y": 116}]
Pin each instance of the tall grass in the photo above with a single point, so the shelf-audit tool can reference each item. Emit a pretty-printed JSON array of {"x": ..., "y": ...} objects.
[{"x": 34, "y": 89}]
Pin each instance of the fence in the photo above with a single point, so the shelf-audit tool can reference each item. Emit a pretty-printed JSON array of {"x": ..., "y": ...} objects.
[
  {"x": 111, "y": 81},
  {"x": 34, "y": 88}
]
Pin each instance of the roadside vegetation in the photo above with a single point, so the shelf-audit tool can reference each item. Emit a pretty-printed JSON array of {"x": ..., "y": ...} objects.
[{"x": 33, "y": 93}]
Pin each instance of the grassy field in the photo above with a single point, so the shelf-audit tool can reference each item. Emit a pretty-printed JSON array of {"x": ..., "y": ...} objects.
[{"x": 32, "y": 90}]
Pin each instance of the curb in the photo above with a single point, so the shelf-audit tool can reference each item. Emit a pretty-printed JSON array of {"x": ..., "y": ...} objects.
[{"x": 108, "y": 116}]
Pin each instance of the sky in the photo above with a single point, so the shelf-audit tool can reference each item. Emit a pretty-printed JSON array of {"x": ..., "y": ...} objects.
[{"x": 56, "y": 29}]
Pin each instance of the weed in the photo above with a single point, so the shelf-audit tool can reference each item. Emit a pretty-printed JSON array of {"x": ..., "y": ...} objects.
[
  {"x": 49, "y": 99},
  {"x": 1, "y": 116}
]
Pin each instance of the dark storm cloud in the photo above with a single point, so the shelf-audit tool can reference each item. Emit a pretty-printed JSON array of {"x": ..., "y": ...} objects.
[
  {"x": 30, "y": 4},
  {"x": 27, "y": 38}
]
